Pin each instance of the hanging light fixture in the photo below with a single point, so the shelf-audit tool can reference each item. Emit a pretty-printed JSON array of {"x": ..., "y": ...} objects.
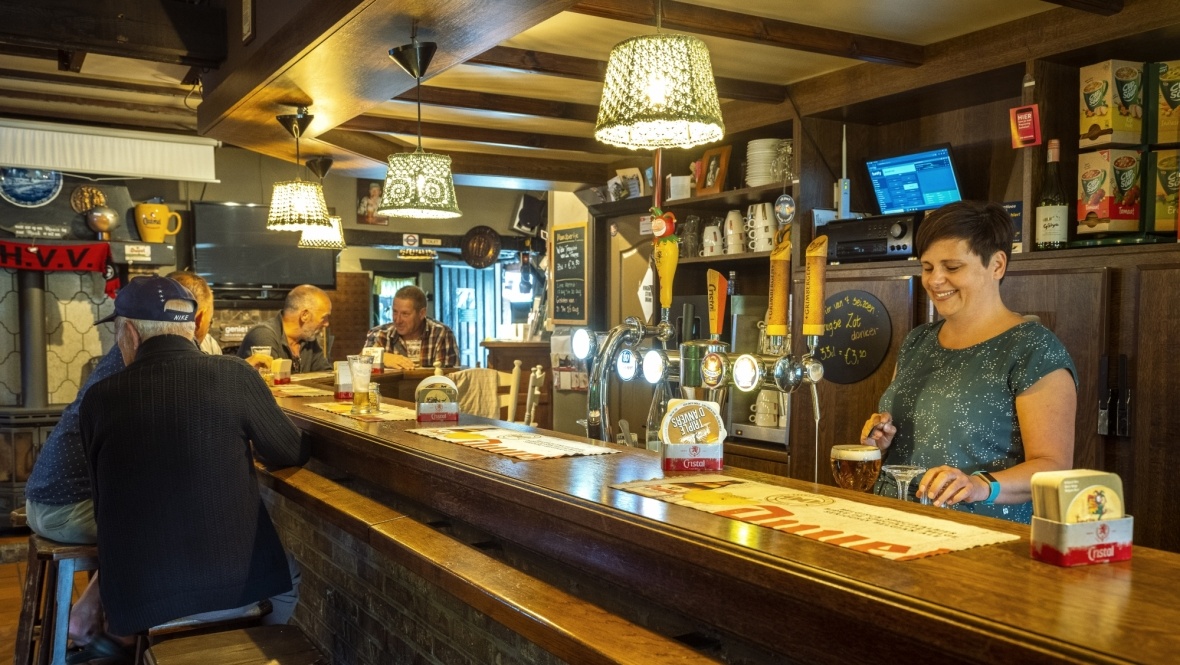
[
  {"x": 319, "y": 236},
  {"x": 418, "y": 184},
  {"x": 659, "y": 92},
  {"x": 297, "y": 204}
]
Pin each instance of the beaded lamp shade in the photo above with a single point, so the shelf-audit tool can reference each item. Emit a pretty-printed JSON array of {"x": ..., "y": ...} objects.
[
  {"x": 418, "y": 184},
  {"x": 296, "y": 205},
  {"x": 659, "y": 92},
  {"x": 323, "y": 237}
]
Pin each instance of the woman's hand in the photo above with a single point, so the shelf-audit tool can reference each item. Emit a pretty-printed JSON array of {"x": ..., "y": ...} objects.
[
  {"x": 946, "y": 486},
  {"x": 878, "y": 431}
]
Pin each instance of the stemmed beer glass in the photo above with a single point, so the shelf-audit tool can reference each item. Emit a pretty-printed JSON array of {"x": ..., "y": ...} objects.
[
  {"x": 903, "y": 474},
  {"x": 856, "y": 466}
]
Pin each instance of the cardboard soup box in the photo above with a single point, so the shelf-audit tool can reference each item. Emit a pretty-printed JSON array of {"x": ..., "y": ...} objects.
[
  {"x": 1111, "y": 104},
  {"x": 1162, "y": 99},
  {"x": 1109, "y": 184},
  {"x": 1162, "y": 185}
]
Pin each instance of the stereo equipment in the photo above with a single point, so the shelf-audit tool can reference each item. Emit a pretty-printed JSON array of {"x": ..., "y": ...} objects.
[{"x": 880, "y": 238}]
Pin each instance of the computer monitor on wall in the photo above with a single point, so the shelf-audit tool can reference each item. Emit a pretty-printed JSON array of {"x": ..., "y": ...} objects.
[{"x": 914, "y": 181}]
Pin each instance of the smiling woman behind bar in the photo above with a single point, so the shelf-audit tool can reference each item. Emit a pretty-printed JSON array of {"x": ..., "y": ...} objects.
[{"x": 983, "y": 398}]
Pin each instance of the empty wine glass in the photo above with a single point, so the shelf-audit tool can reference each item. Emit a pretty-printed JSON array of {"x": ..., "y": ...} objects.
[{"x": 903, "y": 474}]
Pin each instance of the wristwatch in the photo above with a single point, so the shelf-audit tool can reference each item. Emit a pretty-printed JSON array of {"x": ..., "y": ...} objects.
[{"x": 993, "y": 487}]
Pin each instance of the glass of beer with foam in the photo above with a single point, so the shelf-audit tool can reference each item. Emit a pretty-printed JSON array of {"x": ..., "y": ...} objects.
[
  {"x": 361, "y": 368},
  {"x": 856, "y": 466}
]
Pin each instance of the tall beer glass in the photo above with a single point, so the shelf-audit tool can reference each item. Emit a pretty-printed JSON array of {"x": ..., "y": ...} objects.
[
  {"x": 855, "y": 466},
  {"x": 361, "y": 367}
]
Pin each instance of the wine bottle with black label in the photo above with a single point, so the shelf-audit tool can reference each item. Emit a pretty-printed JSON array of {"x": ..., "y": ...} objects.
[{"x": 1052, "y": 225}]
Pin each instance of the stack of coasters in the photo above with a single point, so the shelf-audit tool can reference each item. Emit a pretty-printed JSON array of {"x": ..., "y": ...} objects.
[
  {"x": 437, "y": 398},
  {"x": 693, "y": 436},
  {"x": 1079, "y": 519}
]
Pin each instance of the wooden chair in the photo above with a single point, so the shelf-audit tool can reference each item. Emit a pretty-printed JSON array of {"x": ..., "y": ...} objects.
[
  {"x": 536, "y": 383},
  {"x": 189, "y": 627},
  {"x": 49, "y": 591}
]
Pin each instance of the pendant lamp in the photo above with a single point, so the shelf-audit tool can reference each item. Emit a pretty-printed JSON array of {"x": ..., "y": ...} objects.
[
  {"x": 659, "y": 92},
  {"x": 322, "y": 237},
  {"x": 418, "y": 184},
  {"x": 296, "y": 204}
]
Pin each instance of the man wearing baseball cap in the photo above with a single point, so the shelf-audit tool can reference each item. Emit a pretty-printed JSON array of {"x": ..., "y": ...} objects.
[{"x": 182, "y": 530}]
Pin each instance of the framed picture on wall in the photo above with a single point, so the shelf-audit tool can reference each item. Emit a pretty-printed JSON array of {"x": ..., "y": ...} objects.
[
  {"x": 247, "y": 21},
  {"x": 368, "y": 194},
  {"x": 715, "y": 164}
]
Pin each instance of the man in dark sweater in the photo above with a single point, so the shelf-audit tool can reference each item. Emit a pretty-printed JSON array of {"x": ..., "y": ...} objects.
[{"x": 182, "y": 529}]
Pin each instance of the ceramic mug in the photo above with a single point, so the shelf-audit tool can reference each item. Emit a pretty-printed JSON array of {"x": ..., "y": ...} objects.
[
  {"x": 763, "y": 408},
  {"x": 764, "y": 419},
  {"x": 711, "y": 241},
  {"x": 735, "y": 243},
  {"x": 734, "y": 222},
  {"x": 154, "y": 221},
  {"x": 761, "y": 244},
  {"x": 761, "y": 214},
  {"x": 759, "y": 232}
]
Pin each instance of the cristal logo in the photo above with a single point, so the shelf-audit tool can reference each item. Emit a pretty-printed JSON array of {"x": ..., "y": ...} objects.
[
  {"x": 695, "y": 451},
  {"x": 1103, "y": 531},
  {"x": 1100, "y": 553}
]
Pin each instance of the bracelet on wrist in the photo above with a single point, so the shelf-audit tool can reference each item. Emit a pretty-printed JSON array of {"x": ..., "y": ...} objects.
[{"x": 993, "y": 487}]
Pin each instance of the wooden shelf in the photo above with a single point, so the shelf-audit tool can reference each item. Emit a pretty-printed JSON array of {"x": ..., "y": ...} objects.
[
  {"x": 722, "y": 200},
  {"x": 726, "y": 258}
]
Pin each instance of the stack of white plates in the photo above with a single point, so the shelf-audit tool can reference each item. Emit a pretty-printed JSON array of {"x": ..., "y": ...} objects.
[{"x": 760, "y": 156}]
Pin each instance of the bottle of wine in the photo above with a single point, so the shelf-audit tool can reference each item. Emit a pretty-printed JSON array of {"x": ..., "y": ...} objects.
[{"x": 1052, "y": 226}]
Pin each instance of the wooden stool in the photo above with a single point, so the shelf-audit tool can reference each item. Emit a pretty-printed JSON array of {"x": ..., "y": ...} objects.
[
  {"x": 49, "y": 592},
  {"x": 262, "y": 645},
  {"x": 189, "y": 627}
]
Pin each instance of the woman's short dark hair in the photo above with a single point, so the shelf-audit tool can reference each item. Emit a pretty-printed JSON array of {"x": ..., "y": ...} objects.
[{"x": 985, "y": 226}]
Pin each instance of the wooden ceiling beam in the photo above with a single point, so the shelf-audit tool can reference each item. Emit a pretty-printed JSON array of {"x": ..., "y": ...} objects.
[
  {"x": 178, "y": 113},
  {"x": 159, "y": 31},
  {"x": 587, "y": 69},
  {"x": 703, "y": 20},
  {"x": 378, "y": 149},
  {"x": 386, "y": 125},
  {"x": 101, "y": 84},
  {"x": 484, "y": 101},
  {"x": 1100, "y": 7}
]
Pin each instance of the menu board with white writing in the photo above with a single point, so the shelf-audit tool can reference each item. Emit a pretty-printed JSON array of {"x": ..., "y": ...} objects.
[
  {"x": 569, "y": 274},
  {"x": 856, "y": 336}
]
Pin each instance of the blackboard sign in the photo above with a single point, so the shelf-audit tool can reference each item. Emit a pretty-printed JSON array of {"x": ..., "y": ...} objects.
[
  {"x": 856, "y": 336},
  {"x": 569, "y": 274}
]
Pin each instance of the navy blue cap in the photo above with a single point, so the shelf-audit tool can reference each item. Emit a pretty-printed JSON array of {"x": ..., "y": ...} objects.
[{"x": 143, "y": 298}]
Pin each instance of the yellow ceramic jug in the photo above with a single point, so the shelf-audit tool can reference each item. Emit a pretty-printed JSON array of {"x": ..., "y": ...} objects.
[{"x": 154, "y": 221}]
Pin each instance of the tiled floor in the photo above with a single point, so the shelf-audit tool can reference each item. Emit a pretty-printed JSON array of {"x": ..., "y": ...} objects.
[{"x": 12, "y": 584}]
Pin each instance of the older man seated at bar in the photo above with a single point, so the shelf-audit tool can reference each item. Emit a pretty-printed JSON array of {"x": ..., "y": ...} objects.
[
  {"x": 169, "y": 440},
  {"x": 292, "y": 334},
  {"x": 413, "y": 339}
]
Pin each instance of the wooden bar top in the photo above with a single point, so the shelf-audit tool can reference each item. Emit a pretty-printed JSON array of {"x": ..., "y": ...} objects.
[{"x": 809, "y": 601}]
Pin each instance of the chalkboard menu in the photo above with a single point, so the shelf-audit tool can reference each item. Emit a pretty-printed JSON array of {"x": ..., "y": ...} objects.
[
  {"x": 856, "y": 336},
  {"x": 569, "y": 274}
]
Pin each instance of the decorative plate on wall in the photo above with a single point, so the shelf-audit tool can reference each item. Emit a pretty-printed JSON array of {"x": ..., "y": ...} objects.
[
  {"x": 481, "y": 246},
  {"x": 29, "y": 188}
]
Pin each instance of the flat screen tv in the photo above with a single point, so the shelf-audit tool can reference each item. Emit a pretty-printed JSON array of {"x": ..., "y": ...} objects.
[
  {"x": 235, "y": 253},
  {"x": 910, "y": 182}
]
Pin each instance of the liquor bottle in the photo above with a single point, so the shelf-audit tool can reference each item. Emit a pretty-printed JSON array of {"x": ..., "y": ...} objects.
[{"x": 1052, "y": 227}]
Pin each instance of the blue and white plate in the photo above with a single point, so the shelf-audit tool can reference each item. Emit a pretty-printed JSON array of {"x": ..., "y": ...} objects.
[{"x": 29, "y": 188}]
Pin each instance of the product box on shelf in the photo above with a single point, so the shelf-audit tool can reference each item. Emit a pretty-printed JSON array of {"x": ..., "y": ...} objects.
[
  {"x": 1161, "y": 212},
  {"x": 1109, "y": 191},
  {"x": 1111, "y": 107},
  {"x": 1162, "y": 99}
]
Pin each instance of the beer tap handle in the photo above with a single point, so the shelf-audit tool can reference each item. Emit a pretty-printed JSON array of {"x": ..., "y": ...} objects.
[
  {"x": 780, "y": 287},
  {"x": 718, "y": 288},
  {"x": 813, "y": 298}
]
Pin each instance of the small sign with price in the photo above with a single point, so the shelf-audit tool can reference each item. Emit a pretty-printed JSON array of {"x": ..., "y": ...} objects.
[{"x": 856, "y": 336}]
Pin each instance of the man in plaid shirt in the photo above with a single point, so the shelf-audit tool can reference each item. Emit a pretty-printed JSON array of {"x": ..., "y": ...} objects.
[{"x": 412, "y": 328}]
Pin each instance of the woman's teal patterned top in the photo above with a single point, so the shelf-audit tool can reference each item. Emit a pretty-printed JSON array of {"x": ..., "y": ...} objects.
[{"x": 958, "y": 406}]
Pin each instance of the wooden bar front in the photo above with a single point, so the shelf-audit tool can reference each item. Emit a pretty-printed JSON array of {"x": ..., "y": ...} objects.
[{"x": 805, "y": 600}]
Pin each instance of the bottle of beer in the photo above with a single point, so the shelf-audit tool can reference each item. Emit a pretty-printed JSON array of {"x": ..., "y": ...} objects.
[{"x": 1052, "y": 221}]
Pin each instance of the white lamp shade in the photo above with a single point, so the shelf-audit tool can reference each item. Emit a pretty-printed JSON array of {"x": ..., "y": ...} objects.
[
  {"x": 419, "y": 184},
  {"x": 296, "y": 205},
  {"x": 323, "y": 237},
  {"x": 659, "y": 92}
]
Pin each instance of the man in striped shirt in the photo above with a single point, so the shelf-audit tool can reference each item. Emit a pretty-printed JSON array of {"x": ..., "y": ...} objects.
[{"x": 413, "y": 339}]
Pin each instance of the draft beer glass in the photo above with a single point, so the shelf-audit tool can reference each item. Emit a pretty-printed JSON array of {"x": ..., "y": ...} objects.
[
  {"x": 856, "y": 466},
  {"x": 361, "y": 367}
]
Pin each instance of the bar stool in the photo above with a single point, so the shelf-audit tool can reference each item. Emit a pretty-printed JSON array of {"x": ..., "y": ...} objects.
[
  {"x": 49, "y": 592},
  {"x": 187, "y": 627}
]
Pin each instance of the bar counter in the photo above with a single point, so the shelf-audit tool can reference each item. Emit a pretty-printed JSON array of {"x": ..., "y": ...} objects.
[{"x": 799, "y": 599}]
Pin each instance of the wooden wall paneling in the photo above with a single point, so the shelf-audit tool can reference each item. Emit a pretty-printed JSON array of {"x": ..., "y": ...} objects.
[
  {"x": 844, "y": 408},
  {"x": 351, "y": 303},
  {"x": 1074, "y": 304},
  {"x": 1155, "y": 429}
]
